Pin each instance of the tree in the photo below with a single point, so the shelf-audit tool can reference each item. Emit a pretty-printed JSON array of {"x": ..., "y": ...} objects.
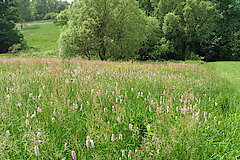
[
  {"x": 146, "y": 6},
  {"x": 227, "y": 24},
  {"x": 112, "y": 29},
  {"x": 174, "y": 33},
  {"x": 186, "y": 26},
  {"x": 42, "y": 7},
  {"x": 25, "y": 12},
  {"x": 9, "y": 35},
  {"x": 199, "y": 17}
]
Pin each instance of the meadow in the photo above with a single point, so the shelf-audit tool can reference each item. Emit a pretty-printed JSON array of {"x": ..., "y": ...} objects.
[
  {"x": 61, "y": 109},
  {"x": 41, "y": 35},
  {"x": 53, "y": 108}
]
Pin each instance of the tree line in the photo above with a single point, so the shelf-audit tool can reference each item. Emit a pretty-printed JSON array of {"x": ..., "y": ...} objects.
[
  {"x": 150, "y": 29},
  {"x": 34, "y": 10}
]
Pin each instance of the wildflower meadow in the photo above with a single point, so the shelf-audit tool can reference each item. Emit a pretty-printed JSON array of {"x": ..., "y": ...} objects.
[{"x": 76, "y": 109}]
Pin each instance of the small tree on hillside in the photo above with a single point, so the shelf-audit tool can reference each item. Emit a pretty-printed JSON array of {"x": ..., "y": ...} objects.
[{"x": 112, "y": 29}]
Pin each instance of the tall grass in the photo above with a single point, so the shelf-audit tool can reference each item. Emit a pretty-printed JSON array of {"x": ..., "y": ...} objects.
[{"x": 54, "y": 109}]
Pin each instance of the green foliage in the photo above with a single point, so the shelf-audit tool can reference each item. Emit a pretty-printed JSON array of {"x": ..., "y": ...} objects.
[
  {"x": 110, "y": 29},
  {"x": 227, "y": 24},
  {"x": 51, "y": 16},
  {"x": 187, "y": 24},
  {"x": 62, "y": 17},
  {"x": 9, "y": 35},
  {"x": 146, "y": 6},
  {"x": 235, "y": 46},
  {"x": 41, "y": 8},
  {"x": 25, "y": 11},
  {"x": 164, "y": 50}
]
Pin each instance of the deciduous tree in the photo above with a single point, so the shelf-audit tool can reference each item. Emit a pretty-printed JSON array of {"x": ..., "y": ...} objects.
[{"x": 112, "y": 29}]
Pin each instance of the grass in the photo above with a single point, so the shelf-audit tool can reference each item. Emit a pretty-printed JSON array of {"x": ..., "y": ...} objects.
[
  {"x": 52, "y": 108},
  {"x": 230, "y": 70},
  {"x": 42, "y": 36}
]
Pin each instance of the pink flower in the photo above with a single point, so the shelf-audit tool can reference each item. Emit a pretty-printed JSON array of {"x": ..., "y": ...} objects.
[
  {"x": 38, "y": 134},
  {"x": 139, "y": 94},
  {"x": 33, "y": 115},
  {"x": 74, "y": 155},
  {"x": 75, "y": 106},
  {"x": 7, "y": 133},
  {"x": 39, "y": 110},
  {"x": 53, "y": 119},
  {"x": 87, "y": 143},
  {"x": 92, "y": 143},
  {"x": 27, "y": 122},
  {"x": 54, "y": 112},
  {"x": 120, "y": 136},
  {"x": 27, "y": 114},
  {"x": 119, "y": 119},
  {"x": 105, "y": 110},
  {"x": 129, "y": 154},
  {"x": 112, "y": 138},
  {"x": 113, "y": 109},
  {"x": 130, "y": 127},
  {"x": 36, "y": 150},
  {"x": 65, "y": 146},
  {"x": 19, "y": 105},
  {"x": 123, "y": 153}
]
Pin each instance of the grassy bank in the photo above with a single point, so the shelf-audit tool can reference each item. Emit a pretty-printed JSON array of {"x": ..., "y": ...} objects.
[
  {"x": 42, "y": 36},
  {"x": 51, "y": 109}
]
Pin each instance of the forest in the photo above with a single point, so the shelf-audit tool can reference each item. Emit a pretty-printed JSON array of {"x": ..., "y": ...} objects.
[{"x": 131, "y": 30}]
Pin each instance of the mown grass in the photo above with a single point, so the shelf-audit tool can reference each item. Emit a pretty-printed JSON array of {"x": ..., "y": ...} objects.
[
  {"x": 42, "y": 36},
  {"x": 230, "y": 70},
  {"x": 50, "y": 109}
]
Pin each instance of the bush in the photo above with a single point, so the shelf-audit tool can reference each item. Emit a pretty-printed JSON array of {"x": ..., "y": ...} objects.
[{"x": 193, "y": 56}]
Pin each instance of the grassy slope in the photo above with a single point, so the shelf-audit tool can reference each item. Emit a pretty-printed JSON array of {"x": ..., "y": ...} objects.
[
  {"x": 230, "y": 70},
  {"x": 42, "y": 36}
]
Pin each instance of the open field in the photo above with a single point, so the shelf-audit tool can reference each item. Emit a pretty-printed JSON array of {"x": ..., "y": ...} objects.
[
  {"x": 230, "y": 70},
  {"x": 53, "y": 109},
  {"x": 42, "y": 36}
]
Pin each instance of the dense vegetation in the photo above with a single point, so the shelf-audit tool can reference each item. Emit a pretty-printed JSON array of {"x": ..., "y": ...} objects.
[
  {"x": 175, "y": 29},
  {"x": 141, "y": 30},
  {"x": 9, "y": 35},
  {"x": 54, "y": 109}
]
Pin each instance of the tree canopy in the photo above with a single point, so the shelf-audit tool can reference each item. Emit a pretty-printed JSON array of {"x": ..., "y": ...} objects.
[
  {"x": 9, "y": 35},
  {"x": 112, "y": 29},
  {"x": 169, "y": 29}
]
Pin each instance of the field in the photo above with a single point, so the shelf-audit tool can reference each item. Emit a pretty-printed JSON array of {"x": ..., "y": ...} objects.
[
  {"x": 51, "y": 108},
  {"x": 59, "y": 109},
  {"x": 42, "y": 36}
]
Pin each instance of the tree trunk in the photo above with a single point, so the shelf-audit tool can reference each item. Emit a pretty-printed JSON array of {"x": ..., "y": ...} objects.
[{"x": 103, "y": 50}]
